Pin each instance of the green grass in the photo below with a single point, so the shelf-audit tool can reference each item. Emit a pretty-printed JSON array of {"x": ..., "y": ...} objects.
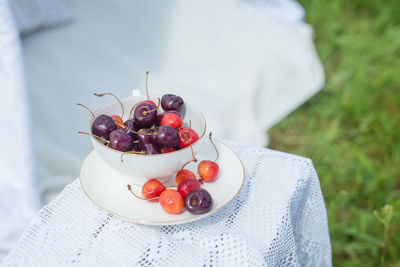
[{"x": 351, "y": 129}]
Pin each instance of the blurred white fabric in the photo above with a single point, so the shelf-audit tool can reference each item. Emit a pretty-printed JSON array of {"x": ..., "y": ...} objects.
[
  {"x": 18, "y": 192},
  {"x": 30, "y": 15},
  {"x": 285, "y": 10},
  {"x": 245, "y": 69}
]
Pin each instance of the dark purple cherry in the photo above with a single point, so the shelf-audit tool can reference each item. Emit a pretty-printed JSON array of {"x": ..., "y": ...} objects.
[
  {"x": 161, "y": 115},
  {"x": 198, "y": 201},
  {"x": 103, "y": 125},
  {"x": 136, "y": 148},
  {"x": 145, "y": 115},
  {"x": 146, "y": 136},
  {"x": 166, "y": 136},
  {"x": 152, "y": 149},
  {"x": 132, "y": 126},
  {"x": 121, "y": 141},
  {"x": 171, "y": 102}
]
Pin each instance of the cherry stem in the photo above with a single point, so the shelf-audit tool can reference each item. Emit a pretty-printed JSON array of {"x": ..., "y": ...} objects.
[
  {"x": 131, "y": 152},
  {"x": 98, "y": 137},
  {"x": 123, "y": 126},
  {"x": 122, "y": 107},
  {"x": 184, "y": 165},
  {"x": 143, "y": 198},
  {"x": 141, "y": 132},
  {"x": 147, "y": 87},
  {"x": 86, "y": 108},
  {"x": 216, "y": 150},
  {"x": 152, "y": 110},
  {"x": 194, "y": 157}
]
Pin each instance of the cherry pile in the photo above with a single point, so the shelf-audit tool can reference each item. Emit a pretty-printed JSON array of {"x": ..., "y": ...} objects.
[
  {"x": 147, "y": 130},
  {"x": 188, "y": 193}
]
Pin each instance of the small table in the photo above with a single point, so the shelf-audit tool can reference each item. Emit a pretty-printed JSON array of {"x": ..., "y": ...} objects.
[{"x": 277, "y": 219}]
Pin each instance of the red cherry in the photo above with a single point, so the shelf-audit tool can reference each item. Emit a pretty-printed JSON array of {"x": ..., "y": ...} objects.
[
  {"x": 183, "y": 174},
  {"x": 152, "y": 188},
  {"x": 161, "y": 115},
  {"x": 187, "y": 137},
  {"x": 208, "y": 170},
  {"x": 118, "y": 120},
  {"x": 171, "y": 201},
  {"x": 167, "y": 150},
  {"x": 172, "y": 120},
  {"x": 187, "y": 186},
  {"x": 148, "y": 101}
]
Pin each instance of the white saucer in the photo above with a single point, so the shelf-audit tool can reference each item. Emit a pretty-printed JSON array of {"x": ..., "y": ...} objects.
[{"x": 108, "y": 189}]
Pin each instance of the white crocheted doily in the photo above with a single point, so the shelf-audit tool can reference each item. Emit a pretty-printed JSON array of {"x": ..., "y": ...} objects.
[{"x": 278, "y": 219}]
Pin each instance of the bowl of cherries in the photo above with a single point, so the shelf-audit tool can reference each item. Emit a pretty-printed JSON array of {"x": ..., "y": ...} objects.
[{"x": 145, "y": 137}]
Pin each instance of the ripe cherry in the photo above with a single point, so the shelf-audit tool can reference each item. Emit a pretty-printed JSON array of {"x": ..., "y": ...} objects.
[
  {"x": 172, "y": 120},
  {"x": 171, "y": 102},
  {"x": 151, "y": 149},
  {"x": 183, "y": 174},
  {"x": 131, "y": 128},
  {"x": 167, "y": 150},
  {"x": 152, "y": 188},
  {"x": 171, "y": 201},
  {"x": 121, "y": 141},
  {"x": 187, "y": 137},
  {"x": 146, "y": 136},
  {"x": 208, "y": 170},
  {"x": 198, "y": 201},
  {"x": 149, "y": 102},
  {"x": 161, "y": 115},
  {"x": 103, "y": 125},
  {"x": 166, "y": 136},
  {"x": 145, "y": 115},
  {"x": 118, "y": 121},
  {"x": 187, "y": 186}
]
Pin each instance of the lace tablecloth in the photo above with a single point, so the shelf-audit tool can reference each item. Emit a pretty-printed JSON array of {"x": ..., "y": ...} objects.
[{"x": 278, "y": 219}]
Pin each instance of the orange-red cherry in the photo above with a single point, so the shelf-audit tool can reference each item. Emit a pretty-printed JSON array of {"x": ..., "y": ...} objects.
[
  {"x": 172, "y": 120},
  {"x": 118, "y": 121},
  {"x": 152, "y": 188},
  {"x": 171, "y": 201},
  {"x": 208, "y": 170},
  {"x": 187, "y": 137},
  {"x": 183, "y": 174}
]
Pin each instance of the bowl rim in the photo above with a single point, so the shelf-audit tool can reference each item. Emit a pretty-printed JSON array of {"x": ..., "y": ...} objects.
[{"x": 146, "y": 155}]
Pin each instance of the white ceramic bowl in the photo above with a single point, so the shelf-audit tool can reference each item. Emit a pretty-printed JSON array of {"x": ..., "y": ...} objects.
[{"x": 136, "y": 168}]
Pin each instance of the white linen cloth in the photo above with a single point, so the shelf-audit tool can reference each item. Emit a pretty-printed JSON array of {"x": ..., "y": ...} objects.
[
  {"x": 277, "y": 219},
  {"x": 242, "y": 67},
  {"x": 19, "y": 199}
]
